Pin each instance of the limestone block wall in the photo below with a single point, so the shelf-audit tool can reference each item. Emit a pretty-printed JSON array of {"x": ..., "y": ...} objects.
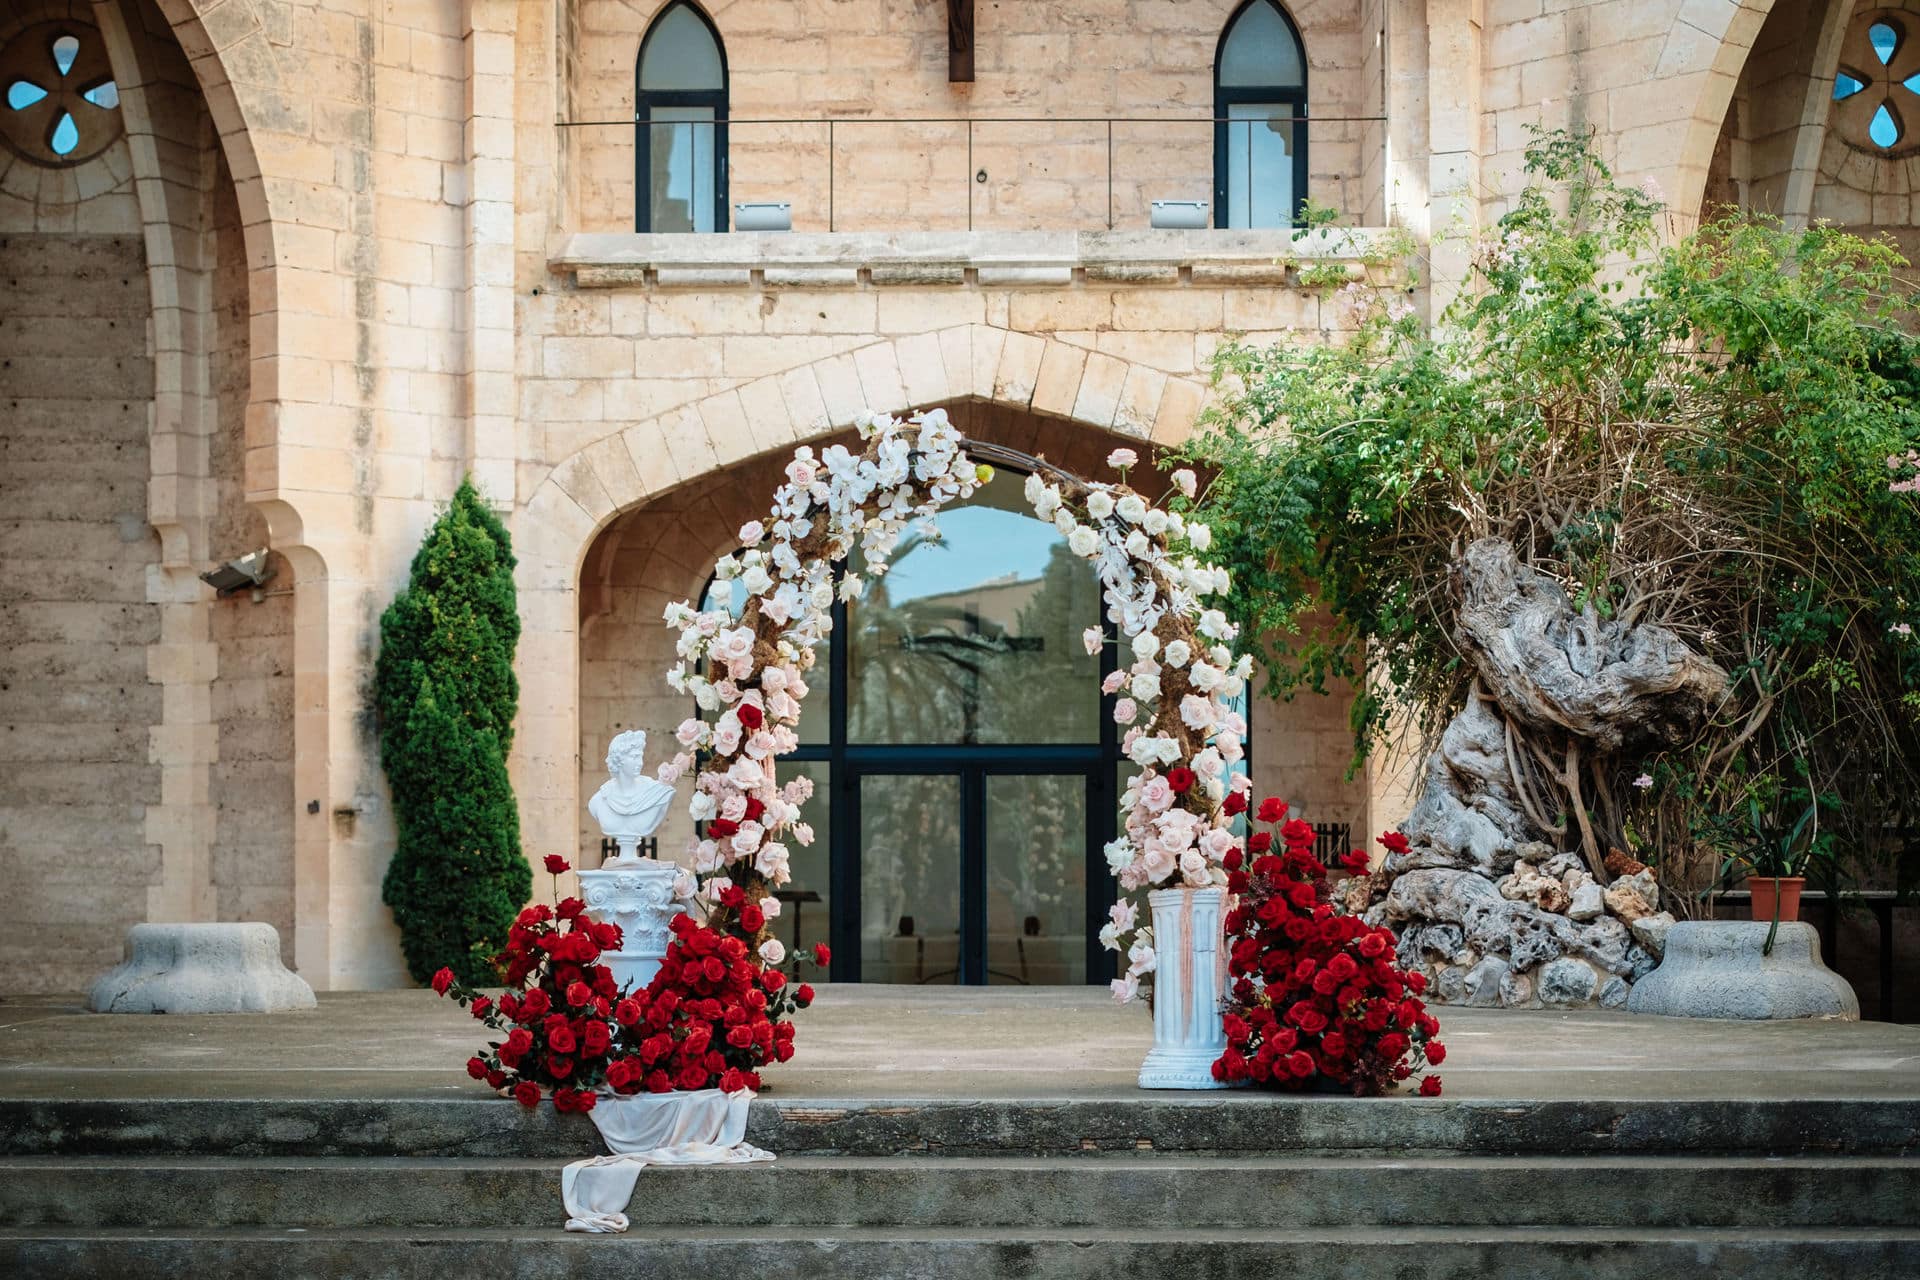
[
  {"x": 1049, "y": 74},
  {"x": 75, "y": 551},
  {"x": 250, "y": 784}
]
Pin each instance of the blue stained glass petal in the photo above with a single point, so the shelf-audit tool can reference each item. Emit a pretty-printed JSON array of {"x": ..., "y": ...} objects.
[
  {"x": 104, "y": 95},
  {"x": 65, "y": 50},
  {"x": 1912, "y": 83},
  {"x": 1885, "y": 130},
  {"x": 1884, "y": 40},
  {"x": 22, "y": 94},
  {"x": 1845, "y": 86},
  {"x": 66, "y": 136}
]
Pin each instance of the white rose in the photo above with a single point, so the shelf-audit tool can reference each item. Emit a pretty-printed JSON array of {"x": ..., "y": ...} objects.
[
  {"x": 1156, "y": 522},
  {"x": 1099, "y": 504},
  {"x": 701, "y": 807},
  {"x": 1137, "y": 544},
  {"x": 1179, "y": 653},
  {"x": 1083, "y": 541},
  {"x": 1200, "y": 536},
  {"x": 1145, "y": 687},
  {"x": 1063, "y": 521},
  {"x": 1035, "y": 487},
  {"x": 1132, "y": 508},
  {"x": 1121, "y": 459},
  {"x": 1185, "y": 481},
  {"x": 1092, "y": 639},
  {"x": 756, "y": 580},
  {"x": 1118, "y": 853},
  {"x": 1214, "y": 624},
  {"x": 751, "y": 532},
  {"x": 773, "y": 951},
  {"x": 851, "y": 586}
]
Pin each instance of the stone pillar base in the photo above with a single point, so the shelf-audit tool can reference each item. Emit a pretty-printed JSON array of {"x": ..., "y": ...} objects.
[
  {"x": 637, "y": 895},
  {"x": 201, "y": 968},
  {"x": 1714, "y": 969}
]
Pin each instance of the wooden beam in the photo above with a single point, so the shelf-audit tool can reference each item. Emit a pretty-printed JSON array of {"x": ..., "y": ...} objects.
[{"x": 959, "y": 41}]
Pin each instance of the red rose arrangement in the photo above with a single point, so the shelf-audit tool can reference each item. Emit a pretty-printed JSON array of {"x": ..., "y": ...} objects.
[
  {"x": 1316, "y": 998},
  {"x": 712, "y": 1016}
]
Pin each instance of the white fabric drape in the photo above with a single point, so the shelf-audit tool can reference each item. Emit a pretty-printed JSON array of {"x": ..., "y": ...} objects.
[{"x": 704, "y": 1126}]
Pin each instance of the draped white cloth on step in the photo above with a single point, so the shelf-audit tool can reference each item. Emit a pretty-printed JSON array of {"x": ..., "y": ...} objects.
[{"x": 704, "y": 1126}]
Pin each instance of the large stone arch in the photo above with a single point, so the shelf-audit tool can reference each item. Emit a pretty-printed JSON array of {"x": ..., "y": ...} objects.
[
  {"x": 1707, "y": 87},
  {"x": 584, "y": 493}
]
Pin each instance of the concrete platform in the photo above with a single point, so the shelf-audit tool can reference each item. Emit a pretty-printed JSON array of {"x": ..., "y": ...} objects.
[{"x": 878, "y": 1043}]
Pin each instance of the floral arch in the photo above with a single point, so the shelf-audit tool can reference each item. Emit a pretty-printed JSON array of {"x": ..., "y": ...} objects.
[{"x": 751, "y": 674}]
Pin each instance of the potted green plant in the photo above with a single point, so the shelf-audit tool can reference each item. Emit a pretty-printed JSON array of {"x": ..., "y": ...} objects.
[{"x": 1774, "y": 853}]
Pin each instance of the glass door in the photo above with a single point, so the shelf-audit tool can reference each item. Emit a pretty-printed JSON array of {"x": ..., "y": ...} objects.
[{"x": 970, "y": 872}]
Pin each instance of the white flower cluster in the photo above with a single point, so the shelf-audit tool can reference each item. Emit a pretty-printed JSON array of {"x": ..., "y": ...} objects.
[
  {"x": 754, "y": 678},
  {"x": 1181, "y": 653}
]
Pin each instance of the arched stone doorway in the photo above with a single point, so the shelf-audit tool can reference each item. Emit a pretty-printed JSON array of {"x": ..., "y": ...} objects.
[{"x": 962, "y": 845}]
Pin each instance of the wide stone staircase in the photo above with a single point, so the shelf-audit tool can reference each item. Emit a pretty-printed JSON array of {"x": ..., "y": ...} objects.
[{"x": 1158, "y": 1186}]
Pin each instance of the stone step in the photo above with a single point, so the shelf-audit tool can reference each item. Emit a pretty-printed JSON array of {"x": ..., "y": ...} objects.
[
  {"x": 934, "y": 1253},
  {"x": 1232, "y": 1124},
  {"x": 1102, "y": 1192}
]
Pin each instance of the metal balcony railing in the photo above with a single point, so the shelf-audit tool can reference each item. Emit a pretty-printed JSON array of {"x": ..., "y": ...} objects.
[{"x": 952, "y": 173}]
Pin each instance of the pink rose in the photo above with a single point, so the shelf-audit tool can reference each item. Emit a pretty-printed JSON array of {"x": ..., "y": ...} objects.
[{"x": 1156, "y": 794}]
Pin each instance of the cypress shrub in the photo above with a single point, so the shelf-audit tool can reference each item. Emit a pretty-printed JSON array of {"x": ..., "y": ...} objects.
[{"x": 446, "y": 695}]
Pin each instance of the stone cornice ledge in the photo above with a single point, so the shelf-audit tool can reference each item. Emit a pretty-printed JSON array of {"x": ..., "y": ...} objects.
[{"x": 850, "y": 258}]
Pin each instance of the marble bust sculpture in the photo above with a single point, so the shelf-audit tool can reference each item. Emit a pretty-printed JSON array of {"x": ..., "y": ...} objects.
[{"x": 629, "y": 805}]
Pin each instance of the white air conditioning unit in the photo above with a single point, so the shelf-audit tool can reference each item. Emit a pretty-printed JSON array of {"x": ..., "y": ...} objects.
[
  {"x": 768, "y": 215},
  {"x": 1183, "y": 215}
]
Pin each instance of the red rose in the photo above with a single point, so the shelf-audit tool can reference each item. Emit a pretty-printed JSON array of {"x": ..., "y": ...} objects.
[
  {"x": 570, "y": 907},
  {"x": 773, "y": 979},
  {"x": 1272, "y": 809},
  {"x": 558, "y": 865},
  {"x": 584, "y": 1100},
  {"x": 626, "y": 1013},
  {"x": 1235, "y": 803},
  {"x": 1374, "y": 945},
  {"x": 752, "y": 919},
  {"x": 495, "y": 1079},
  {"x": 755, "y": 807},
  {"x": 1394, "y": 842},
  {"x": 579, "y": 995},
  {"x": 658, "y": 1082},
  {"x": 750, "y": 716},
  {"x": 1436, "y": 1052},
  {"x": 733, "y": 1080},
  {"x": 1430, "y": 1086},
  {"x": 535, "y": 1005},
  {"x": 1180, "y": 778},
  {"x": 692, "y": 1076},
  {"x": 519, "y": 1041},
  {"x": 561, "y": 1068},
  {"x": 442, "y": 980},
  {"x": 527, "y": 1094},
  {"x": 822, "y": 955},
  {"x": 481, "y": 1006},
  {"x": 477, "y": 1068},
  {"x": 803, "y": 995},
  {"x": 595, "y": 1040},
  {"x": 722, "y": 828},
  {"x": 1300, "y": 1063},
  {"x": 560, "y": 1039}
]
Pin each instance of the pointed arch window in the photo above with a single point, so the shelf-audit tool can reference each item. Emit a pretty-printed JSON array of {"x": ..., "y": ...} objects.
[
  {"x": 1260, "y": 119},
  {"x": 680, "y": 124}
]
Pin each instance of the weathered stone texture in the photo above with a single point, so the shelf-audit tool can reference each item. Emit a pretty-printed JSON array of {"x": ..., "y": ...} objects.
[{"x": 75, "y": 548}]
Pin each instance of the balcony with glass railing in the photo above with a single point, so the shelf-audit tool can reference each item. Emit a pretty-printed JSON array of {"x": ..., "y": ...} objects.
[{"x": 940, "y": 198}]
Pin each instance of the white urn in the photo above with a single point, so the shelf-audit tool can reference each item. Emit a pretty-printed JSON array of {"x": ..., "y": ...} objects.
[{"x": 1189, "y": 984}]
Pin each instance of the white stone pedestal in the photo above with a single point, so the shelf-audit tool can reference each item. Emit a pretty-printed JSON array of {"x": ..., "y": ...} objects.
[
  {"x": 1715, "y": 969},
  {"x": 201, "y": 968},
  {"x": 1188, "y": 983},
  {"x": 637, "y": 895}
]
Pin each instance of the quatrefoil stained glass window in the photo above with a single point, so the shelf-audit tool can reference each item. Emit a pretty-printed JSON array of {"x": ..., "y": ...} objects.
[
  {"x": 1876, "y": 89},
  {"x": 62, "y": 106}
]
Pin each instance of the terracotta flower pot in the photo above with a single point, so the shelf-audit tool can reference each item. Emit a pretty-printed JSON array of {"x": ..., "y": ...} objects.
[{"x": 1764, "y": 889}]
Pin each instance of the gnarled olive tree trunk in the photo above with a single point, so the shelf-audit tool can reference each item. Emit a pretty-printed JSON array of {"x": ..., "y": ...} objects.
[{"x": 1511, "y": 890}]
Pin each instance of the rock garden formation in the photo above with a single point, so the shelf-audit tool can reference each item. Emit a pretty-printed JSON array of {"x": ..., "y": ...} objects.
[{"x": 1498, "y": 895}]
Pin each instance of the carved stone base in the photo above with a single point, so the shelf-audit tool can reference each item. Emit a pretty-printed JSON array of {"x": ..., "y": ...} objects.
[
  {"x": 201, "y": 968},
  {"x": 637, "y": 895}
]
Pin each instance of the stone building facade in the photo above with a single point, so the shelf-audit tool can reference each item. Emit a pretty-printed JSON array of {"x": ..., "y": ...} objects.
[{"x": 279, "y": 272}]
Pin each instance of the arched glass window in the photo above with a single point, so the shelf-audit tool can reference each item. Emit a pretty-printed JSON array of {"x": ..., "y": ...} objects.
[
  {"x": 1260, "y": 119},
  {"x": 680, "y": 124},
  {"x": 966, "y": 768}
]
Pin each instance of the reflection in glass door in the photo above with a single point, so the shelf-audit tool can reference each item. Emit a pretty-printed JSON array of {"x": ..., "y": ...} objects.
[
  {"x": 910, "y": 853},
  {"x": 1035, "y": 851}
]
